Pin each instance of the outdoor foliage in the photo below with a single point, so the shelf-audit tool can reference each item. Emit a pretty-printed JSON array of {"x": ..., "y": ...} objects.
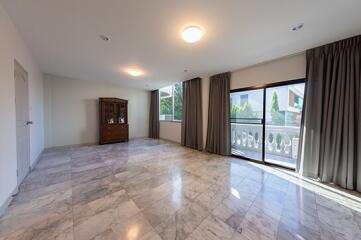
[
  {"x": 256, "y": 136},
  {"x": 166, "y": 107},
  {"x": 178, "y": 101},
  {"x": 278, "y": 139},
  {"x": 244, "y": 111},
  {"x": 166, "y": 103},
  {"x": 277, "y": 115}
]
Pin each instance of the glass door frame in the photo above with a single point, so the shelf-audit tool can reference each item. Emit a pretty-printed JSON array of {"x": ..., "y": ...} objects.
[{"x": 264, "y": 88}]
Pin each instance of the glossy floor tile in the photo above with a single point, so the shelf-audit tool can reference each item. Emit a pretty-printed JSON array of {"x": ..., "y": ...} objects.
[{"x": 152, "y": 189}]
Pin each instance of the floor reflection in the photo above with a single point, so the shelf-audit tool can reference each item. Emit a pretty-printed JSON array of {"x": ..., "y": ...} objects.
[{"x": 152, "y": 189}]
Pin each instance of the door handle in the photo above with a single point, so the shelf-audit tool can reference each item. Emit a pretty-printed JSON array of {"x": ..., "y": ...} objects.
[{"x": 29, "y": 122}]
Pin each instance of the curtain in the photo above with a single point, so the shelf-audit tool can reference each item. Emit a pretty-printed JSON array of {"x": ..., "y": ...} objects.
[
  {"x": 192, "y": 126},
  {"x": 219, "y": 127},
  {"x": 332, "y": 151},
  {"x": 154, "y": 114}
]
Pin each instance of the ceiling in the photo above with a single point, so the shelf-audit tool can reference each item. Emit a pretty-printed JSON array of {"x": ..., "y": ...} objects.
[{"x": 63, "y": 35}]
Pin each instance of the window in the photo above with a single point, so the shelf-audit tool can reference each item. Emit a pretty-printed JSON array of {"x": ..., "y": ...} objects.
[
  {"x": 296, "y": 97},
  {"x": 243, "y": 99},
  {"x": 171, "y": 103},
  {"x": 266, "y": 122}
]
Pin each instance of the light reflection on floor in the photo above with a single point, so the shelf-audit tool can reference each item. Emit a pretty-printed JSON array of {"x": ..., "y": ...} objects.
[{"x": 153, "y": 189}]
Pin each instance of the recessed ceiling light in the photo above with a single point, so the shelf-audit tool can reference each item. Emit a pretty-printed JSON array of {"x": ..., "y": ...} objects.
[
  {"x": 134, "y": 72},
  {"x": 192, "y": 34},
  {"x": 297, "y": 27},
  {"x": 104, "y": 37}
]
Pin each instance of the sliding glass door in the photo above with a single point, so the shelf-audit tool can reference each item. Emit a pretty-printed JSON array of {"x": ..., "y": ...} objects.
[
  {"x": 283, "y": 121},
  {"x": 247, "y": 123},
  {"x": 265, "y": 122}
]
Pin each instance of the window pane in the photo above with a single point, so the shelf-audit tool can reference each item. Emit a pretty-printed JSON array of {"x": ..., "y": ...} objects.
[
  {"x": 178, "y": 101},
  {"x": 246, "y": 123},
  {"x": 247, "y": 106},
  {"x": 166, "y": 103},
  {"x": 283, "y": 121}
]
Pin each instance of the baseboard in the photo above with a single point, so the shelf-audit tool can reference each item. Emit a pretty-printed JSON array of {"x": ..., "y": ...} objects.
[
  {"x": 171, "y": 141},
  {"x": 5, "y": 205},
  {"x": 36, "y": 161},
  {"x": 72, "y": 145},
  {"x": 135, "y": 138},
  {"x": 85, "y": 144}
]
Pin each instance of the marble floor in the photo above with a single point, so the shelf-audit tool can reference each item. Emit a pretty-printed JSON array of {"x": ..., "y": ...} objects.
[{"x": 150, "y": 190}]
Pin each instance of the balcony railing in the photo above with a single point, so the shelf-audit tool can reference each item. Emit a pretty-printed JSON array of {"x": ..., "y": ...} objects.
[{"x": 281, "y": 142}]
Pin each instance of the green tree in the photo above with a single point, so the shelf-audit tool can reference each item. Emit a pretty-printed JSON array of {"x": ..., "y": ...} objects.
[
  {"x": 278, "y": 140},
  {"x": 244, "y": 111},
  {"x": 234, "y": 110},
  {"x": 277, "y": 115},
  {"x": 178, "y": 101},
  {"x": 166, "y": 107}
]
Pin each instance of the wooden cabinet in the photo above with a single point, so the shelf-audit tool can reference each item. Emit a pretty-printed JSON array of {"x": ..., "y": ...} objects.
[{"x": 113, "y": 120}]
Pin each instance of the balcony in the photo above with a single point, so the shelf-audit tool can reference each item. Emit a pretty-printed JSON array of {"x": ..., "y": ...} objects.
[{"x": 281, "y": 143}]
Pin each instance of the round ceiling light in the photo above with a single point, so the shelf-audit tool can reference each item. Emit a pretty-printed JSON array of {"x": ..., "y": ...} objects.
[
  {"x": 134, "y": 72},
  {"x": 192, "y": 34}
]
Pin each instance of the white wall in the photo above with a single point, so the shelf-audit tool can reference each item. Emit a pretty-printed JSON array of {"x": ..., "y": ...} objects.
[
  {"x": 288, "y": 68},
  {"x": 71, "y": 110},
  {"x": 170, "y": 131},
  {"x": 13, "y": 47}
]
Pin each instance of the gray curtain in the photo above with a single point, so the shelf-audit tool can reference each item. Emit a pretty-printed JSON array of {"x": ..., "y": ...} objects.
[
  {"x": 192, "y": 126},
  {"x": 332, "y": 151},
  {"x": 154, "y": 114},
  {"x": 219, "y": 127}
]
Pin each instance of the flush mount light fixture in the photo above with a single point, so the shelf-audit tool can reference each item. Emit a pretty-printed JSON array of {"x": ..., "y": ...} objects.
[
  {"x": 192, "y": 34},
  {"x": 134, "y": 72},
  {"x": 297, "y": 27}
]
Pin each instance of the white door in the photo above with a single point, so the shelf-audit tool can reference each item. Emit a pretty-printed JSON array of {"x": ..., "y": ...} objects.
[{"x": 22, "y": 122}]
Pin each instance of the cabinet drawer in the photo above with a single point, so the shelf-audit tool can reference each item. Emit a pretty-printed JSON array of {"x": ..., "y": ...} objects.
[{"x": 114, "y": 133}]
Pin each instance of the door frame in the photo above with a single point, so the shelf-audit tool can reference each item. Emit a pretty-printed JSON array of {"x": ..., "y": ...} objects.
[
  {"x": 264, "y": 87},
  {"x": 17, "y": 65}
]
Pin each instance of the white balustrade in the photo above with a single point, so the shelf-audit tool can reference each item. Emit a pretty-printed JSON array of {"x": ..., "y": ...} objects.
[{"x": 280, "y": 140}]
